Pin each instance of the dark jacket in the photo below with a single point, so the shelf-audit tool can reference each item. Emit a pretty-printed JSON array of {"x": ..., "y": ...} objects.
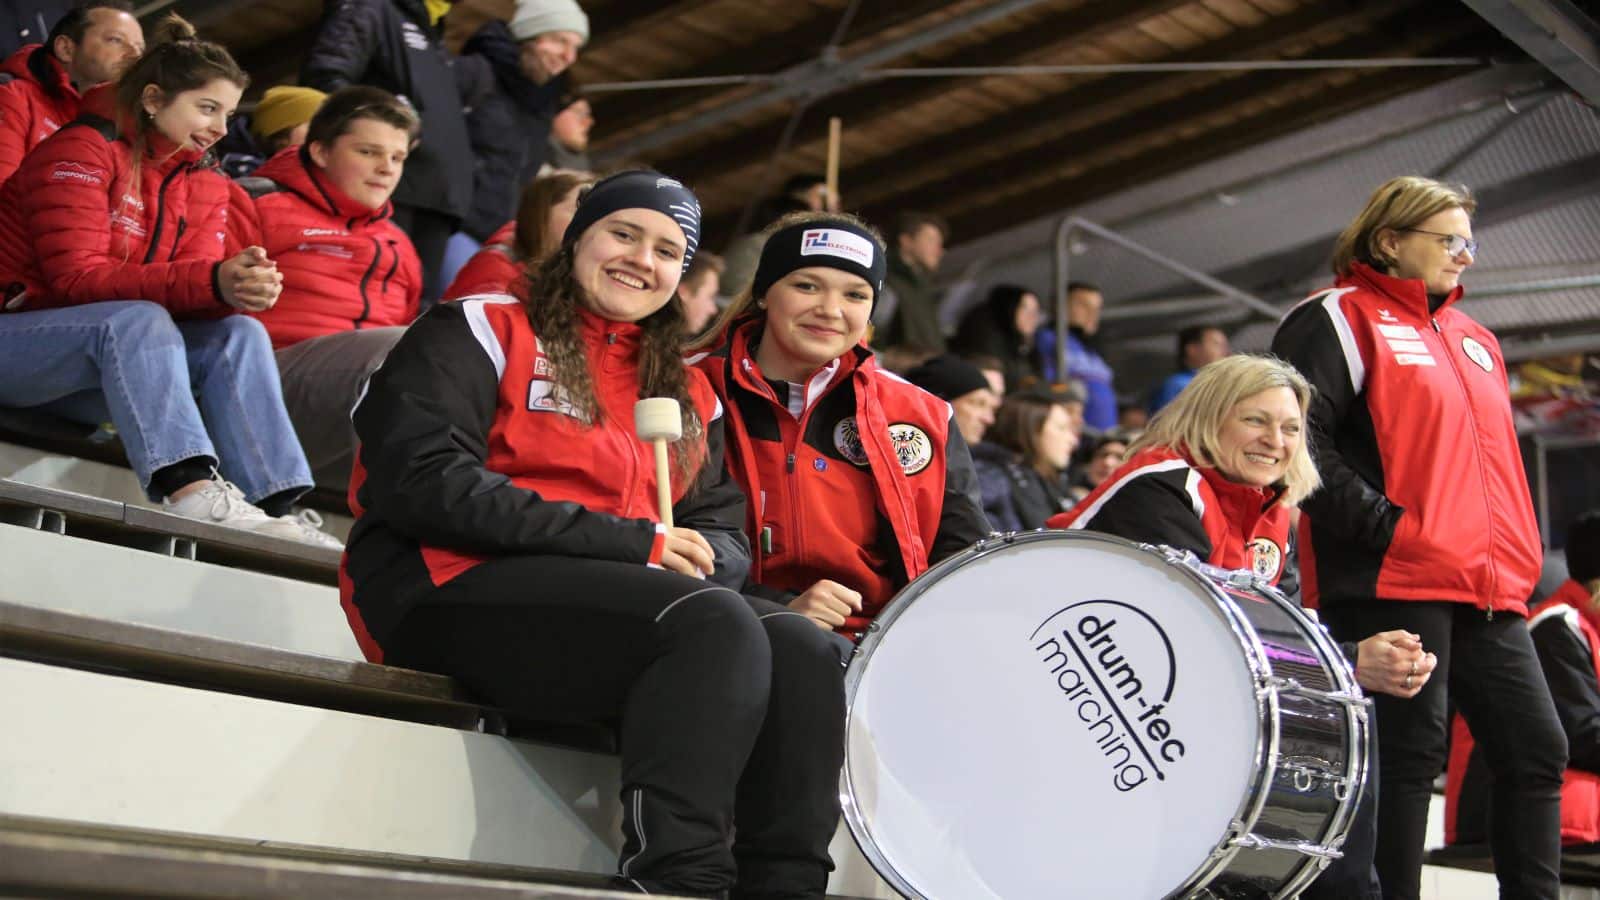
[
  {"x": 468, "y": 452},
  {"x": 391, "y": 45},
  {"x": 509, "y": 129},
  {"x": 1423, "y": 494},
  {"x": 915, "y": 321},
  {"x": 990, "y": 329}
]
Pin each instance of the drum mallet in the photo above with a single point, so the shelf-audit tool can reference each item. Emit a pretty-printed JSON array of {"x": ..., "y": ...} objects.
[{"x": 658, "y": 420}]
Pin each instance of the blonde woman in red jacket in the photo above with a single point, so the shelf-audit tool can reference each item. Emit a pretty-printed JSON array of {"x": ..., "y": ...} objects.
[
  {"x": 351, "y": 279},
  {"x": 1424, "y": 522},
  {"x": 119, "y": 301}
]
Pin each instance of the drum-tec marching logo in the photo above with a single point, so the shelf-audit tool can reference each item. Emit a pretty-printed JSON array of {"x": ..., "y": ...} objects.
[{"x": 1116, "y": 670}]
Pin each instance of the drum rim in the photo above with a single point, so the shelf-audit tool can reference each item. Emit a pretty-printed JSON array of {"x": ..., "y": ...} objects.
[{"x": 1267, "y": 740}]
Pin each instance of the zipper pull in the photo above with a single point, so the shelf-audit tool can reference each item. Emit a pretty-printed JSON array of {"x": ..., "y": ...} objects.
[
  {"x": 1489, "y": 612},
  {"x": 788, "y": 464},
  {"x": 1436, "y": 328}
]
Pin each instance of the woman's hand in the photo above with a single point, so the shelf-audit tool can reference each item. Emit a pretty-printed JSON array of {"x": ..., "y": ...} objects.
[
  {"x": 250, "y": 281},
  {"x": 687, "y": 553},
  {"x": 1394, "y": 663},
  {"x": 827, "y": 603}
]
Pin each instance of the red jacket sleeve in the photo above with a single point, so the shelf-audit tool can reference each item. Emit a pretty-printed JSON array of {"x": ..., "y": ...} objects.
[
  {"x": 68, "y": 200},
  {"x": 244, "y": 222},
  {"x": 16, "y": 120}
]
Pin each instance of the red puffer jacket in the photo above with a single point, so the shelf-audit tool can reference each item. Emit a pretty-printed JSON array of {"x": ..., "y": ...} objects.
[
  {"x": 345, "y": 266},
  {"x": 35, "y": 104},
  {"x": 73, "y": 230},
  {"x": 491, "y": 270}
]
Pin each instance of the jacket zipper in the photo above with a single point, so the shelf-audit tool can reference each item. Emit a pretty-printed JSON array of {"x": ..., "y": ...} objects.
[
  {"x": 366, "y": 302},
  {"x": 161, "y": 212},
  {"x": 1477, "y": 455},
  {"x": 177, "y": 237},
  {"x": 394, "y": 263}
]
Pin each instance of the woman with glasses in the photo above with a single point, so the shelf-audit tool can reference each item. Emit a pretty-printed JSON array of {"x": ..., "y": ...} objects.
[{"x": 1424, "y": 523}]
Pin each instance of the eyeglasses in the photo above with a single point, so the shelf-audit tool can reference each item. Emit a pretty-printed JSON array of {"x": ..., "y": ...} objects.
[{"x": 1453, "y": 243}]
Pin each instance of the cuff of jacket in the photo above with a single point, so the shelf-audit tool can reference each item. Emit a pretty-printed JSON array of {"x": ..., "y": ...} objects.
[
  {"x": 658, "y": 546},
  {"x": 216, "y": 283}
]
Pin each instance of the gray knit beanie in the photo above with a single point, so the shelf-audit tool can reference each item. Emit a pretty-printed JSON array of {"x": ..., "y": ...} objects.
[{"x": 536, "y": 17}]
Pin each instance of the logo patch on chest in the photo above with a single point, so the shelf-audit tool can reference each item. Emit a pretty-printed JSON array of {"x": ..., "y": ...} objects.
[
  {"x": 1478, "y": 353},
  {"x": 912, "y": 448},
  {"x": 1265, "y": 558},
  {"x": 847, "y": 440}
]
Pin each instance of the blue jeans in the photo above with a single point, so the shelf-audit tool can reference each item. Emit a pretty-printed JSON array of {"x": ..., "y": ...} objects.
[{"x": 174, "y": 390}]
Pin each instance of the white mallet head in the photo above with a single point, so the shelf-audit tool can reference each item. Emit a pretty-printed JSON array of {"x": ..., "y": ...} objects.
[{"x": 658, "y": 418}]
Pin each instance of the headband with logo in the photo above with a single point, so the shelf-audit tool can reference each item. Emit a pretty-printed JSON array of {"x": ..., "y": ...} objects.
[
  {"x": 833, "y": 243},
  {"x": 639, "y": 189}
]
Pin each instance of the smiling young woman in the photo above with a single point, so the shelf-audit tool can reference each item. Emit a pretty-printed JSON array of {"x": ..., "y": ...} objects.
[
  {"x": 1424, "y": 521},
  {"x": 857, "y": 481},
  {"x": 119, "y": 293},
  {"x": 508, "y": 536}
]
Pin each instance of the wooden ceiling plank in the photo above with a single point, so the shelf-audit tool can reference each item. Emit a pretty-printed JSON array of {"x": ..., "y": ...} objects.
[
  {"x": 1124, "y": 142},
  {"x": 944, "y": 152},
  {"x": 1083, "y": 24}
]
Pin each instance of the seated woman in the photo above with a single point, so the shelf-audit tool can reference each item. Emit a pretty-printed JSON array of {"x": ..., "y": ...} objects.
[
  {"x": 119, "y": 301},
  {"x": 1023, "y": 466},
  {"x": 857, "y": 480},
  {"x": 351, "y": 279},
  {"x": 507, "y": 536},
  {"x": 1217, "y": 473},
  {"x": 542, "y": 216}
]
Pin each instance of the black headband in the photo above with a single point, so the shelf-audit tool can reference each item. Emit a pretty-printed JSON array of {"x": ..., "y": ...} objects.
[
  {"x": 639, "y": 189},
  {"x": 833, "y": 243}
]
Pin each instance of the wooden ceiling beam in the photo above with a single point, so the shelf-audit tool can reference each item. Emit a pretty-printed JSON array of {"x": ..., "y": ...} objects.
[
  {"x": 1312, "y": 97},
  {"x": 1079, "y": 108},
  {"x": 771, "y": 53},
  {"x": 1075, "y": 27}
]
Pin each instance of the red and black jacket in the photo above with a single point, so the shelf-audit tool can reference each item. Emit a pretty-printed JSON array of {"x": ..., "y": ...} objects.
[
  {"x": 345, "y": 266},
  {"x": 868, "y": 486},
  {"x": 1567, "y": 640},
  {"x": 494, "y": 269},
  {"x": 1159, "y": 496},
  {"x": 37, "y": 101},
  {"x": 1423, "y": 493},
  {"x": 73, "y": 229},
  {"x": 468, "y": 452}
]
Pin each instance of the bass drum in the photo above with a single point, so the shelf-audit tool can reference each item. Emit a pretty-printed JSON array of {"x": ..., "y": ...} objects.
[{"x": 1068, "y": 714}]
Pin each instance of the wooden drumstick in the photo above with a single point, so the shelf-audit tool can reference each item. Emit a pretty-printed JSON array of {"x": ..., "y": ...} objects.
[
  {"x": 658, "y": 421},
  {"x": 835, "y": 128}
]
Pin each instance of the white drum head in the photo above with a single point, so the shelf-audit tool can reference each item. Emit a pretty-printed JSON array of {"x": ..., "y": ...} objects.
[{"x": 984, "y": 759}]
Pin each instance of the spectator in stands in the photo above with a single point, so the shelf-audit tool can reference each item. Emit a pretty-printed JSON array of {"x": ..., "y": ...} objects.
[
  {"x": 118, "y": 297},
  {"x": 961, "y": 384},
  {"x": 351, "y": 280},
  {"x": 1003, "y": 326},
  {"x": 508, "y": 536},
  {"x": 1106, "y": 453},
  {"x": 857, "y": 482},
  {"x": 92, "y": 44},
  {"x": 805, "y": 192},
  {"x": 1424, "y": 521},
  {"x": 569, "y": 132},
  {"x": 912, "y": 322},
  {"x": 510, "y": 125},
  {"x": 1566, "y": 634},
  {"x": 698, "y": 291},
  {"x": 1197, "y": 346},
  {"x": 993, "y": 372},
  {"x": 1132, "y": 416},
  {"x": 394, "y": 45},
  {"x": 1084, "y": 362},
  {"x": 547, "y": 205},
  {"x": 1025, "y": 470},
  {"x": 279, "y": 120},
  {"x": 1218, "y": 474}
]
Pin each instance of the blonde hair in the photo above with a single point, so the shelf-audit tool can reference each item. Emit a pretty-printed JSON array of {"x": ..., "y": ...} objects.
[
  {"x": 1192, "y": 421},
  {"x": 1397, "y": 204},
  {"x": 744, "y": 303}
]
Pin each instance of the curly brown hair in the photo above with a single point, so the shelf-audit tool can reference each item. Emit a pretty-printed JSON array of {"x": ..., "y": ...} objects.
[{"x": 552, "y": 301}]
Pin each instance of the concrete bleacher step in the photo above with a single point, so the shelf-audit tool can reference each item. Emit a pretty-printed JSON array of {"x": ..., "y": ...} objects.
[
  {"x": 81, "y": 515},
  {"x": 39, "y": 858}
]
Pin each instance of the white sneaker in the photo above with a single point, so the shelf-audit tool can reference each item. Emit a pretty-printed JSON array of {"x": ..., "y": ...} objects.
[
  {"x": 221, "y": 503},
  {"x": 309, "y": 522}
]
